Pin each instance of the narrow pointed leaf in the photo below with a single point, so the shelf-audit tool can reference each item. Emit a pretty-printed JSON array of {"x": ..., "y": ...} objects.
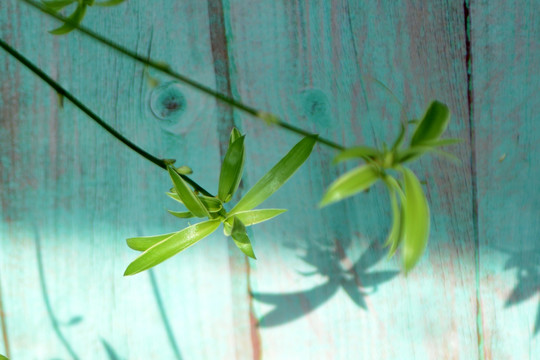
[
  {"x": 433, "y": 123},
  {"x": 175, "y": 196},
  {"x": 397, "y": 232},
  {"x": 181, "y": 214},
  {"x": 416, "y": 221},
  {"x": 75, "y": 18},
  {"x": 364, "y": 152},
  {"x": 58, "y": 5},
  {"x": 231, "y": 170},
  {"x": 352, "y": 182},
  {"x": 393, "y": 235},
  {"x": 277, "y": 176},
  {"x": 415, "y": 152},
  {"x": 240, "y": 237},
  {"x": 145, "y": 242},
  {"x": 252, "y": 217},
  {"x": 227, "y": 227},
  {"x": 235, "y": 135},
  {"x": 212, "y": 204},
  {"x": 442, "y": 142},
  {"x": 171, "y": 246},
  {"x": 186, "y": 195}
]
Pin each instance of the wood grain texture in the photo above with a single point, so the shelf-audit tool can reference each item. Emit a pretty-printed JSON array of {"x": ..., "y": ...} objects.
[
  {"x": 306, "y": 62},
  {"x": 506, "y": 59},
  {"x": 321, "y": 287},
  {"x": 85, "y": 193}
]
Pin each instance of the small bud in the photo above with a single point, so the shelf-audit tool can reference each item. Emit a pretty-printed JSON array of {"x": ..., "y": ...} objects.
[{"x": 269, "y": 118}]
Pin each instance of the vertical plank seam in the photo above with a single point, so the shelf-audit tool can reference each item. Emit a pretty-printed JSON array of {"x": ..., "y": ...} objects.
[
  {"x": 220, "y": 34},
  {"x": 474, "y": 197}
]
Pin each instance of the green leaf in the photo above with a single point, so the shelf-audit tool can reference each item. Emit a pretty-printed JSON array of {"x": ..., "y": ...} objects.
[
  {"x": 364, "y": 152},
  {"x": 109, "y": 3},
  {"x": 231, "y": 170},
  {"x": 186, "y": 195},
  {"x": 145, "y": 242},
  {"x": 416, "y": 221},
  {"x": 277, "y": 176},
  {"x": 235, "y": 135},
  {"x": 252, "y": 217},
  {"x": 2, "y": 357},
  {"x": 441, "y": 142},
  {"x": 211, "y": 203},
  {"x": 433, "y": 123},
  {"x": 396, "y": 232},
  {"x": 393, "y": 235},
  {"x": 227, "y": 227},
  {"x": 58, "y": 5},
  {"x": 174, "y": 196},
  {"x": 181, "y": 214},
  {"x": 415, "y": 152},
  {"x": 240, "y": 237},
  {"x": 350, "y": 183},
  {"x": 171, "y": 246},
  {"x": 75, "y": 18}
]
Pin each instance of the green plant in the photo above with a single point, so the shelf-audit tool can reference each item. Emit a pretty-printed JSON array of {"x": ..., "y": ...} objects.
[
  {"x": 77, "y": 16},
  {"x": 410, "y": 210},
  {"x": 161, "y": 247}
]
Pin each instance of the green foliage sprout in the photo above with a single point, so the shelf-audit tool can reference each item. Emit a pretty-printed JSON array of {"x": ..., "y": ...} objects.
[
  {"x": 410, "y": 209},
  {"x": 159, "y": 248}
]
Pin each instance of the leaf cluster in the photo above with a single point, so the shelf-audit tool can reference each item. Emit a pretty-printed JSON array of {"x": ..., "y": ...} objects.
[
  {"x": 158, "y": 248},
  {"x": 410, "y": 209}
]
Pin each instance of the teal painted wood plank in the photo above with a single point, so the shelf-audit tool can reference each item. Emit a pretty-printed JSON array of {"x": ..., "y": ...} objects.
[
  {"x": 305, "y": 62},
  {"x": 78, "y": 193},
  {"x": 65, "y": 211},
  {"x": 505, "y": 60}
]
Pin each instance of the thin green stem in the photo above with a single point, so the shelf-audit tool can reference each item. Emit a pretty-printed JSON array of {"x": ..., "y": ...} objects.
[
  {"x": 63, "y": 92},
  {"x": 164, "y": 68}
]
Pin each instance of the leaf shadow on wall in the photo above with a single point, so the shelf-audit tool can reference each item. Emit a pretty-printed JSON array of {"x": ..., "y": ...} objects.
[
  {"x": 527, "y": 266},
  {"x": 60, "y": 326},
  {"x": 330, "y": 262}
]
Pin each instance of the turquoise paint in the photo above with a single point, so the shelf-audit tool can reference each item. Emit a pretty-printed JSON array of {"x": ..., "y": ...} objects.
[{"x": 82, "y": 193}]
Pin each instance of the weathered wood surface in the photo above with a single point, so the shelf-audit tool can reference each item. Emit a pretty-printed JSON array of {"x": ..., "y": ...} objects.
[
  {"x": 71, "y": 194},
  {"x": 506, "y": 59}
]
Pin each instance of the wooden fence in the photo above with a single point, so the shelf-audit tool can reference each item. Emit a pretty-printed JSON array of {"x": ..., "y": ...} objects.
[{"x": 322, "y": 287}]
